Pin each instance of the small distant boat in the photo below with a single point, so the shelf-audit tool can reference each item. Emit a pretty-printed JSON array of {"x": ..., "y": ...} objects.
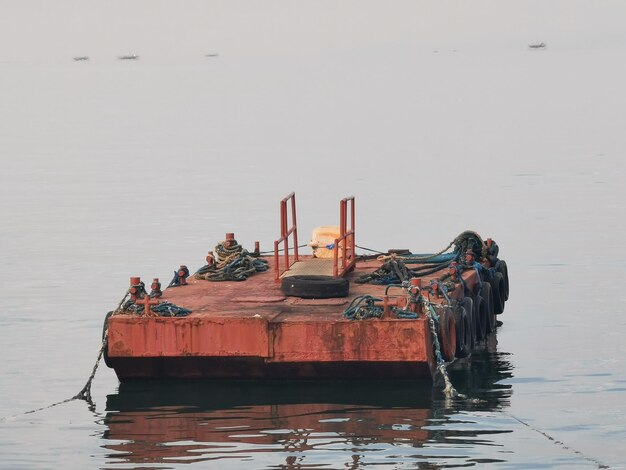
[
  {"x": 128, "y": 57},
  {"x": 541, "y": 45},
  {"x": 81, "y": 57},
  {"x": 211, "y": 55}
]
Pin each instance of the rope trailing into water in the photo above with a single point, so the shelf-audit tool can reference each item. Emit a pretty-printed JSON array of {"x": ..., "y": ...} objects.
[
  {"x": 85, "y": 392},
  {"x": 557, "y": 442},
  {"x": 433, "y": 320},
  {"x": 233, "y": 264},
  {"x": 364, "y": 307}
]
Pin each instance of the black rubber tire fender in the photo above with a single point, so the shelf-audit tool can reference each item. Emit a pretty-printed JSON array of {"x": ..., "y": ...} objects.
[
  {"x": 501, "y": 267},
  {"x": 447, "y": 334},
  {"x": 468, "y": 305},
  {"x": 480, "y": 318},
  {"x": 487, "y": 295},
  {"x": 497, "y": 290},
  {"x": 463, "y": 332},
  {"x": 315, "y": 287}
]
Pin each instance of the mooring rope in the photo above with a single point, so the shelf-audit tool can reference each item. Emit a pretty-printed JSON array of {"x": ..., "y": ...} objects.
[
  {"x": 556, "y": 441},
  {"x": 433, "y": 319},
  {"x": 85, "y": 392}
]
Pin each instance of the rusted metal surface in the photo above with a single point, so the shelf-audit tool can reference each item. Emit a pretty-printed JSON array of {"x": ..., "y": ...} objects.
[
  {"x": 197, "y": 335},
  {"x": 147, "y": 302},
  {"x": 300, "y": 338},
  {"x": 250, "y": 329}
]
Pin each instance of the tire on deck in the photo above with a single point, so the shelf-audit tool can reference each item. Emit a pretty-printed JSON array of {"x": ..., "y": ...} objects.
[{"x": 315, "y": 287}]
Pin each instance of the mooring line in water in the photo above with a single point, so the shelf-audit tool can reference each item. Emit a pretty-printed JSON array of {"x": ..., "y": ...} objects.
[
  {"x": 448, "y": 390},
  {"x": 84, "y": 394},
  {"x": 557, "y": 442}
]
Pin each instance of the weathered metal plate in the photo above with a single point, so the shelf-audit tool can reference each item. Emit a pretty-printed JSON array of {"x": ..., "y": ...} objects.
[
  {"x": 371, "y": 340},
  {"x": 190, "y": 336}
]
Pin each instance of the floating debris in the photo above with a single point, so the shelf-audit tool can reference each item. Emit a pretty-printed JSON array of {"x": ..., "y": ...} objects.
[
  {"x": 541, "y": 45},
  {"x": 81, "y": 57},
  {"x": 128, "y": 57}
]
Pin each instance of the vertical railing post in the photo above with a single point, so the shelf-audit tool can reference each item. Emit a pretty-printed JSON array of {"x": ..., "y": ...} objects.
[
  {"x": 276, "y": 268},
  {"x": 285, "y": 232},
  {"x": 352, "y": 229},
  {"x": 345, "y": 244},
  {"x": 295, "y": 227}
]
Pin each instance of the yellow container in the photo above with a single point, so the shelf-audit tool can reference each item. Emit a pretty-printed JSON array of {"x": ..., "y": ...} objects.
[{"x": 323, "y": 240}]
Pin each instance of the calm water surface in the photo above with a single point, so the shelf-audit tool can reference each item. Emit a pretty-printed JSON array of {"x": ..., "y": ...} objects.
[{"x": 437, "y": 117}]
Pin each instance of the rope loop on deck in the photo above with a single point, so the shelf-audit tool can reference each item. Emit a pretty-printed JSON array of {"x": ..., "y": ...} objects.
[{"x": 363, "y": 307}]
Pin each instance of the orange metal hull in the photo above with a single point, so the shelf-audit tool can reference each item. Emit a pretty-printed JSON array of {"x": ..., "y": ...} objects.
[{"x": 250, "y": 330}]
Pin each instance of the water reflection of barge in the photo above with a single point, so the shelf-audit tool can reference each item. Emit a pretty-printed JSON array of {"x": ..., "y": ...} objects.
[
  {"x": 174, "y": 422},
  {"x": 332, "y": 314}
]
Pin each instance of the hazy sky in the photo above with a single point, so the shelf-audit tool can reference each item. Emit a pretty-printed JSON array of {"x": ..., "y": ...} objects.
[{"x": 45, "y": 30}]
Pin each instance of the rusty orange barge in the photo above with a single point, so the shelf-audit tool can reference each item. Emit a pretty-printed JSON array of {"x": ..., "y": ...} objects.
[{"x": 332, "y": 314}]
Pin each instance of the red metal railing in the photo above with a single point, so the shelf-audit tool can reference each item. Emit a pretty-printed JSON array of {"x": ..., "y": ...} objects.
[
  {"x": 285, "y": 232},
  {"x": 344, "y": 257}
]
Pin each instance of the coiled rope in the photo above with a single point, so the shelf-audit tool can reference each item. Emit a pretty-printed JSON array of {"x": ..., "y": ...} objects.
[
  {"x": 163, "y": 309},
  {"x": 363, "y": 307},
  {"x": 233, "y": 264},
  {"x": 395, "y": 271}
]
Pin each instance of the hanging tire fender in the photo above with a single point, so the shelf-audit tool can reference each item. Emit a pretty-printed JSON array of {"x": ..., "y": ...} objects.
[
  {"x": 463, "y": 332},
  {"x": 497, "y": 289},
  {"x": 487, "y": 295},
  {"x": 447, "y": 334},
  {"x": 480, "y": 318},
  {"x": 468, "y": 305},
  {"x": 501, "y": 267}
]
